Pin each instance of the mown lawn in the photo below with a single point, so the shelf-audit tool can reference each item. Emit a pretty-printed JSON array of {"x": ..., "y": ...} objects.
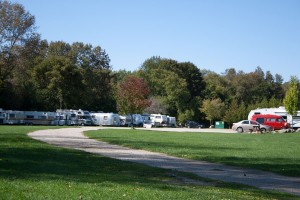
[
  {"x": 31, "y": 169},
  {"x": 279, "y": 153}
]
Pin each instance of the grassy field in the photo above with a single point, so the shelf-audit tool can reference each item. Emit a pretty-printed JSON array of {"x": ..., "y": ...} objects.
[
  {"x": 31, "y": 169},
  {"x": 279, "y": 153}
]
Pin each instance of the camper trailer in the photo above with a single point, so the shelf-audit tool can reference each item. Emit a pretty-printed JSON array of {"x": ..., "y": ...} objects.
[
  {"x": 125, "y": 120},
  {"x": 106, "y": 119},
  {"x": 294, "y": 121},
  {"x": 39, "y": 118},
  {"x": 14, "y": 117}
]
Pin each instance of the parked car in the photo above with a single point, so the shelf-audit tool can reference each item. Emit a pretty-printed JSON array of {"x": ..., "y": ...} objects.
[
  {"x": 249, "y": 126},
  {"x": 193, "y": 124},
  {"x": 275, "y": 121}
]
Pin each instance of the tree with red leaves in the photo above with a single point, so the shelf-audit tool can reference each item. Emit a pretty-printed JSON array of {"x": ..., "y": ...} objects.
[{"x": 132, "y": 95}]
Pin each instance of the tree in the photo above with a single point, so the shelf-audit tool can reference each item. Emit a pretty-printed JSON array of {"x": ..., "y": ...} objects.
[
  {"x": 214, "y": 109},
  {"x": 292, "y": 97},
  {"x": 132, "y": 95},
  {"x": 58, "y": 84},
  {"x": 16, "y": 29}
]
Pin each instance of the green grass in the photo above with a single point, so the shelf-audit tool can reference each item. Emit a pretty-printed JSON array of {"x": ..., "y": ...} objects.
[
  {"x": 31, "y": 169},
  {"x": 279, "y": 153}
]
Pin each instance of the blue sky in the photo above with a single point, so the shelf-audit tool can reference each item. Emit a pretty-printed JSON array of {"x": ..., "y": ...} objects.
[{"x": 212, "y": 34}]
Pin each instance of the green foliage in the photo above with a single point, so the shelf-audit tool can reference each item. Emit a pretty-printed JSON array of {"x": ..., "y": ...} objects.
[
  {"x": 292, "y": 97},
  {"x": 214, "y": 109},
  {"x": 178, "y": 83}
]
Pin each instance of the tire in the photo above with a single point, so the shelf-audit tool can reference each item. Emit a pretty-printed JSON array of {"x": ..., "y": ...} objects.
[
  {"x": 240, "y": 130},
  {"x": 263, "y": 130}
]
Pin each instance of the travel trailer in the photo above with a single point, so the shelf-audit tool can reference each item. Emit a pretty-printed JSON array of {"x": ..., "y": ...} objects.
[
  {"x": 39, "y": 118},
  {"x": 294, "y": 121},
  {"x": 14, "y": 117},
  {"x": 106, "y": 119}
]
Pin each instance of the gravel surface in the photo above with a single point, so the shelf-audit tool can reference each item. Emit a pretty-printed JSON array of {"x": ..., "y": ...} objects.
[{"x": 73, "y": 138}]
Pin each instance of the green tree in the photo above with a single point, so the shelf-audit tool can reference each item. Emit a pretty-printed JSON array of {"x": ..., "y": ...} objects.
[
  {"x": 292, "y": 97},
  {"x": 58, "y": 84},
  {"x": 214, "y": 109}
]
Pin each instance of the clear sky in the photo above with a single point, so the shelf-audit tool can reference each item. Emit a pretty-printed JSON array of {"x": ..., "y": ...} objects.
[{"x": 212, "y": 34}]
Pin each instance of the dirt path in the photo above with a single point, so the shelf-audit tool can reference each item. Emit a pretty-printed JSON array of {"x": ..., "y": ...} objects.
[{"x": 73, "y": 138}]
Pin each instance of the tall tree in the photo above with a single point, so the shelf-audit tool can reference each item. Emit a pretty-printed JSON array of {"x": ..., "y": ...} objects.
[
  {"x": 132, "y": 95},
  {"x": 292, "y": 97},
  {"x": 214, "y": 109},
  {"x": 16, "y": 29}
]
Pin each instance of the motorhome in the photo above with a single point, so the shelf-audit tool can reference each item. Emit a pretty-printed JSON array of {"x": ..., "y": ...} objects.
[
  {"x": 106, "y": 119},
  {"x": 294, "y": 121},
  {"x": 74, "y": 117},
  {"x": 158, "y": 120}
]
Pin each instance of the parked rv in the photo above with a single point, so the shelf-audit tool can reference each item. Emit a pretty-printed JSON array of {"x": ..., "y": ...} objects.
[
  {"x": 14, "y": 117},
  {"x": 39, "y": 118},
  {"x": 158, "y": 120},
  {"x": 106, "y": 119}
]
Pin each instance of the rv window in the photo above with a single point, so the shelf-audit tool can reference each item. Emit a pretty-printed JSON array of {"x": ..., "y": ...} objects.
[
  {"x": 272, "y": 119},
  {"x": 256, "y": 113},
  {"x": 105, "y": 117},
  {"x": 12, "y": 115},
  {"x": 29, "y": 116},
  {"x": 73, "y": 115},
  {"x": 157, "y": 117},
  {"x": 278, "y": 120}
]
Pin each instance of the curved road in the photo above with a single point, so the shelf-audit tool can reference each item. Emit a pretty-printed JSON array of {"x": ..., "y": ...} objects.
[{"x": 74, "y": 138}]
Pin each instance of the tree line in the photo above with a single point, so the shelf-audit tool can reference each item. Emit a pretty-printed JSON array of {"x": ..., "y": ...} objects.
[{"x": 39, "y": 75}]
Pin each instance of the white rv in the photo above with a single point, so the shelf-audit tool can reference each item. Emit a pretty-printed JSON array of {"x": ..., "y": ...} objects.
[
  {"x": 106, "y": 119},
  {"x": 14, "y": 117},
  {"x": 158, "y": 120},
  {"x": 39, "y": 118},
  {"x": 293, "y": 120},
  {"x": 74, "y": 117}
]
